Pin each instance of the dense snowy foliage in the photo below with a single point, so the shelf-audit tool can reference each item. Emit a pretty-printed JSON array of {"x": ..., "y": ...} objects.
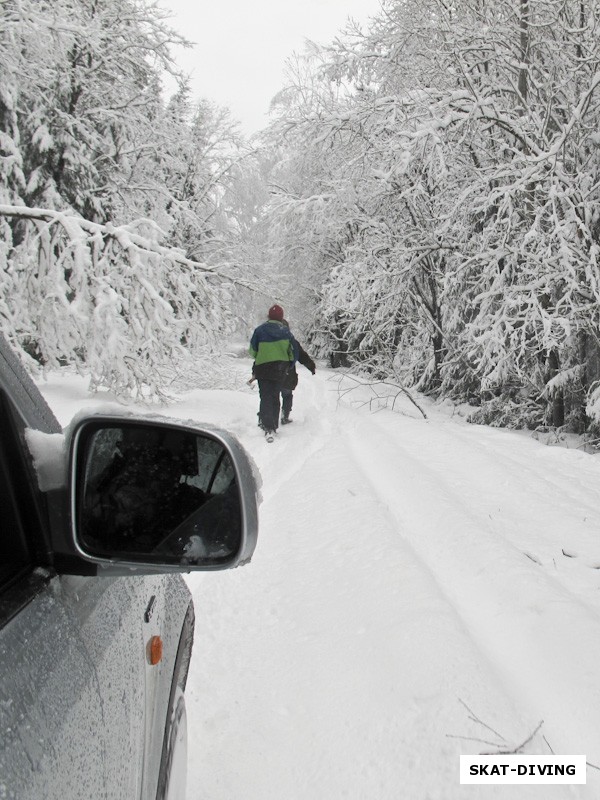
[
  {"x": 440, "y": 179},
  {"x": 425, "y": 203},
  {"x": 109, "y": 300},
  {"x": 114, "y": 239}
]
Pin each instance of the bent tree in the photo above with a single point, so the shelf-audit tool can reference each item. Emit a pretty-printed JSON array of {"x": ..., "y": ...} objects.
[{"x": 110, "y": 301}]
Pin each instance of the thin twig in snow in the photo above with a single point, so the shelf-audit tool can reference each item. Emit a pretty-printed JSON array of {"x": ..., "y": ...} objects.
[
  {"x": 474, "y": 718},
  {"x": 519, "y": 747}
]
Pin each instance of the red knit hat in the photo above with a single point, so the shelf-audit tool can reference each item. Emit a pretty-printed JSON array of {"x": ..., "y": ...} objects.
[{"x": 275, "y": 312}]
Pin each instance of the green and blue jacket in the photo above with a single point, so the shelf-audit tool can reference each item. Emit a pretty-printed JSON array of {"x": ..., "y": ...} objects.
[{"x": 274, "y": 350}]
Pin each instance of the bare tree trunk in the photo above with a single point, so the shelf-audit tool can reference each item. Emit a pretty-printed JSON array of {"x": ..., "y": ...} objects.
[
  {"x": 524, "y": 47},
  {"x": 558, "y": 400},
  {"x": 580, "y": 419}
]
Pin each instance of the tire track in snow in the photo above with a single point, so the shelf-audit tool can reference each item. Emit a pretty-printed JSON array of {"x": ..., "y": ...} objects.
[
  {"x": 354, "y": 654},
  {"x": 517, "y": 495},
  {"x": 513, "y": 610},
  {"x": 571, "y": 487},
  {"x": 332, "y": 666},
  {"x": 572, "y": 499}
]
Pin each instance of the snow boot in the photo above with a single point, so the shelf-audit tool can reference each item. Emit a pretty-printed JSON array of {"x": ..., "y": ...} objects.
[
  {"x": 285, "y": 420},
  {"x": 270, "y": 436}
]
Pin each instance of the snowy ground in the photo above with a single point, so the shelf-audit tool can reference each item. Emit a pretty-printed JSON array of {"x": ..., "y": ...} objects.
[{"x": 409, "y": 601}]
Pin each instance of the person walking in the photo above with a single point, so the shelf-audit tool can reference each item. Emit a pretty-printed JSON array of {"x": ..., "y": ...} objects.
[
  {"x": 291, "y": 381},
  {"x": 274, "y": 350}
]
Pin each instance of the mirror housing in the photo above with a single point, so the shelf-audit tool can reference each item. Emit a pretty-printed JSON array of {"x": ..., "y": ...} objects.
[{"x": 148, "y": 496}]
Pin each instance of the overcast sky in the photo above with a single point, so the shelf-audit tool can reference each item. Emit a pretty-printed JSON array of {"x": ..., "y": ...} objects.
[{"x": 242, "y": 45}]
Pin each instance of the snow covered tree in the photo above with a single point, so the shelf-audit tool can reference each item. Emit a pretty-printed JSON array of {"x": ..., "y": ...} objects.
[
  {"x": 455, "y": 151},
  {"x": 80, "y": 78},
  {"x": 110, "y": 200},
  {"x": 110, "y": 301},
  {"x": 529, "y": 285}
]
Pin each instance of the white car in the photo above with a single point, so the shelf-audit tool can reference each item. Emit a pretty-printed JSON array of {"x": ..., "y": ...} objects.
[{"x": 96, "y": 626}]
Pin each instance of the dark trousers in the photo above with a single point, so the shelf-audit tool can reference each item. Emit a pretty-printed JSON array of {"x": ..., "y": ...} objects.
[
  {"x": 268, "y": 412},
  {"x": 287, "y": 399}
]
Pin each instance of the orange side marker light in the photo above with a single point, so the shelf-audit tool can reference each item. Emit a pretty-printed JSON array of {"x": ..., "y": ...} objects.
[{"x": 155, "y": 650}]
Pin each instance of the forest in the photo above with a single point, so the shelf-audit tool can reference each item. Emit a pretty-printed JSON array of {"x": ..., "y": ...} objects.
[{"x": 425, "y": 199}]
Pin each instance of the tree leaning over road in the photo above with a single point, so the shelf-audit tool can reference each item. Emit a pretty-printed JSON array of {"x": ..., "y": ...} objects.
[
  {"x": 110, "y": 301},
  {"x": 115, "y": 248}
]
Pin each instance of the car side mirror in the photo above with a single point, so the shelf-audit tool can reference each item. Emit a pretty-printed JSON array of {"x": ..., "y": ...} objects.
[{"x": 161, "y": 495}]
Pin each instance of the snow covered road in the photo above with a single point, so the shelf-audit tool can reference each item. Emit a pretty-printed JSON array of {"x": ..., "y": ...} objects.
[{"x": 409, "y": 601}]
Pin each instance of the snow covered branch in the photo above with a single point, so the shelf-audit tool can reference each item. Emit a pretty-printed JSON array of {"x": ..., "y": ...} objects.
[{"x": 109, "y": 300}]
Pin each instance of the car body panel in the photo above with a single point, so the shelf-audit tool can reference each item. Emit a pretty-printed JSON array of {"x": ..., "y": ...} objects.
[
  {"x": 82, "y": 710},
  {"x": 24, "y": 393},
  {"x": 83, "y": 684},
  {"x": 50, "y": 704}
]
